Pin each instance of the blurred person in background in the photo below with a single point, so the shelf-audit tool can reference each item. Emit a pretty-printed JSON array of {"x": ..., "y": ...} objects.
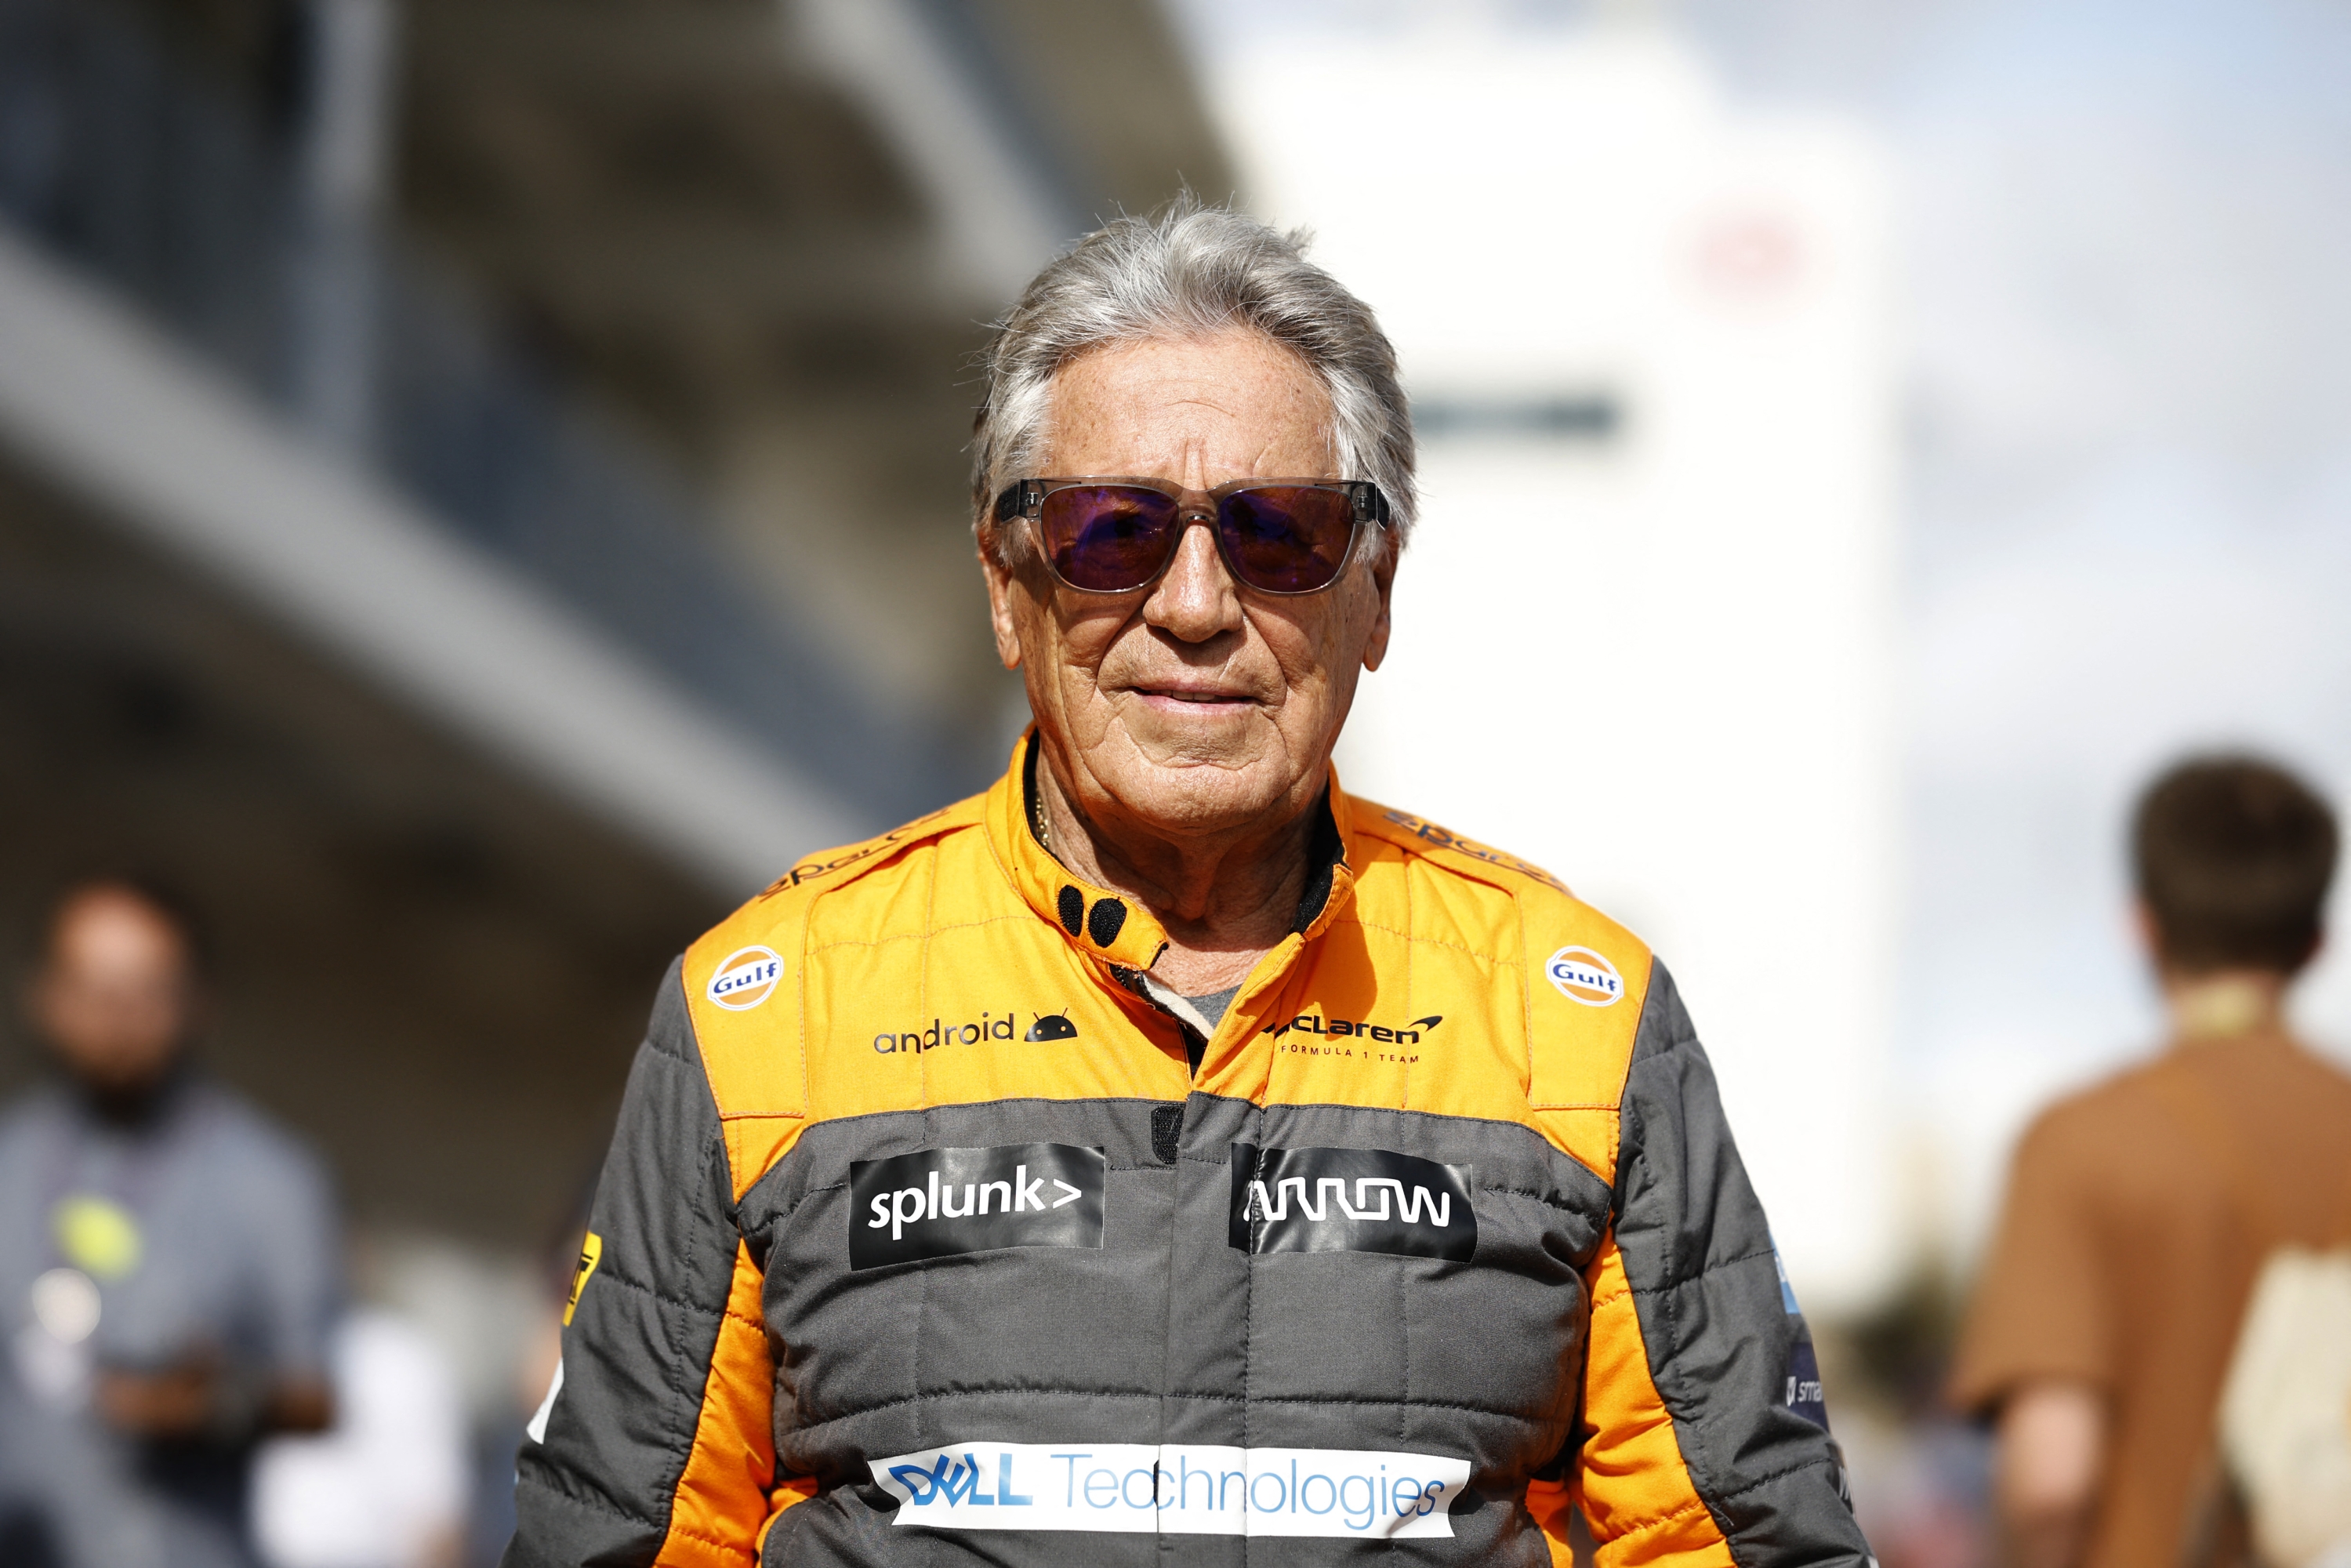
[
  {"x": 2140, "y": 1211},
  {"x": 1349, "y": 1179},
  {"x": 169, "y": 1262}
]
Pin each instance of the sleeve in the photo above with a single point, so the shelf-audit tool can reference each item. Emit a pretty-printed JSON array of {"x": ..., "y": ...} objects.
[
  {"x": 2041, "y": 1308},
  {"x": 1706, "y": 1440},
  {"x": 298, "y": 1272},
  {"x": 654, "y": 1444}
]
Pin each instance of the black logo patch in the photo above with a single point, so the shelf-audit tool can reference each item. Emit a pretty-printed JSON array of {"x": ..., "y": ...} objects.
[
  {"x": 936, "y": 1203},
  {"x": 1351, "y": 1200}
]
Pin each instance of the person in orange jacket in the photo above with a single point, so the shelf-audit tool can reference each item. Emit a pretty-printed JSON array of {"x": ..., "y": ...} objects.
[{"x": 1164, "y": 1151}]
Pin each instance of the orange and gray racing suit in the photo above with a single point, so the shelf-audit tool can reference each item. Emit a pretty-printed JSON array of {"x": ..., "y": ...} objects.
[{"x": 922, "y": 1240}]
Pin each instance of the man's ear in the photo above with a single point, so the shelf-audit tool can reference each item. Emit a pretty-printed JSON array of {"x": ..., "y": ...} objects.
[
  {"x": 1384, "y": 565},
  {"x": 2149, "y": 934},
  {"x": 1002, "y": 587}
]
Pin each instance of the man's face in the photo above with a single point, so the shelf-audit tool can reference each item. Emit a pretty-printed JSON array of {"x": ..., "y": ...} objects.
[
  {"x": 114, "y": 997},
  {"x": 1194, "y": 706}
]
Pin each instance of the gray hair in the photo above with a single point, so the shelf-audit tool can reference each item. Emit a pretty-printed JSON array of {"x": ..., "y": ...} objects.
[{"x": 1189, "y": 271}]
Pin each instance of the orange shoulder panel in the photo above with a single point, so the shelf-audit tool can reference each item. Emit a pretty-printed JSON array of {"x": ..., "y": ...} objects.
[
  {"x": 1587, "y": 981},
  {"x": 744, "y": 980},
  {"x": 1468, "y": 856}
]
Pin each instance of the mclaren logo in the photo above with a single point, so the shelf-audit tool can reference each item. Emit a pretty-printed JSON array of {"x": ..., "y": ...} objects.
[{"x": 1338, "y": 1028}]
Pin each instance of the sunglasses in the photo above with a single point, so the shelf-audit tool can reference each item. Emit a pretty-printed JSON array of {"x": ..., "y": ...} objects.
[{"x": 1115, "y": 536}]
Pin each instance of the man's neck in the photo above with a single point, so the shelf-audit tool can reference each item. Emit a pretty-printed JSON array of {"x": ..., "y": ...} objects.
[
  {"x": 133, "y": 1107},
  {"x": 2228, "y": 1004},
  {"x": 1224, "y": 899}
]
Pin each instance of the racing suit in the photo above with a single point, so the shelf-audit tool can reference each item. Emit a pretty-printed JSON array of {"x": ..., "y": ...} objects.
[{"x": 921, "y": 1239}]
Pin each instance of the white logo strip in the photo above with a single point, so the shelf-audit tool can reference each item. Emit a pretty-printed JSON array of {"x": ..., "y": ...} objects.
[{"x": 1177, "y": 1488}]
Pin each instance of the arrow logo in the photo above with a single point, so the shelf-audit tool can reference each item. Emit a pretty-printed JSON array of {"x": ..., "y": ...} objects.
[{"x": 1068, "y": 1194}]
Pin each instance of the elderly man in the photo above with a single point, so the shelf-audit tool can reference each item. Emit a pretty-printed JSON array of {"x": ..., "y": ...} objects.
[{"x": 1163, "y": 1151}]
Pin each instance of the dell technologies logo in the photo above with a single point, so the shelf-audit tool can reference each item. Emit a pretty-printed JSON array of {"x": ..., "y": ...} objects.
[
  {"x": 937, "y": 1202},
  {"x": 1351, "y": 1200},
  {"x": 1174, "y": 1488}
]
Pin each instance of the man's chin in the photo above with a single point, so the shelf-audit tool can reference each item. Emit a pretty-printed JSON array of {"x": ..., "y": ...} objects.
[{"x": 1187, "y": 793}]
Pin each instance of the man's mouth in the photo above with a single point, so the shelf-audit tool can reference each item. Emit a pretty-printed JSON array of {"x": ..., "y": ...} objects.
[{"x": 1190, "y": 697}]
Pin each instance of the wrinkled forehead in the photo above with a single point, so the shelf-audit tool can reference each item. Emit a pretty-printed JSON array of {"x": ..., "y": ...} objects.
[{"x": 1198, "y": 412}]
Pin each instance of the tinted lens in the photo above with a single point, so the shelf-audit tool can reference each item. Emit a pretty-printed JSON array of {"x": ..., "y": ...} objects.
[
  {"x": 1287, "y": 538},
  {"x": 1108, "y": 537}
]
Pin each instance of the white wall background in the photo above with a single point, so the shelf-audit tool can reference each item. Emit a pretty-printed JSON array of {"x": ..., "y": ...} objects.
[
  {"x": 2120, "y": 380},
  {"x": 1656, "y": 664}
]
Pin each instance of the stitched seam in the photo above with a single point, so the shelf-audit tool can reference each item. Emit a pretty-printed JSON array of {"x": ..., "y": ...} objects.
[
  {"x": 1499, "y": 963},
  {"x": 596, "y": 1504},
  {"x": 1289, "y": 1400},
  {"x": 1659, "y": 1520},
  {"x": 1689, "y": 1437},
  {"x": 1532, "y": 1131},
  {"x": 698, "y": 1237},
  {"x": 1764, "y": 1480},
  {"x": 1528, "y": 1128},
  {"x": 679, "y": 1531},
  {"x": 697, "y": 1308},
  {"x": 794, "y": 1207},
  {"x": 1025, "y": 916},
  {"x": 1719, "y": 1264}
]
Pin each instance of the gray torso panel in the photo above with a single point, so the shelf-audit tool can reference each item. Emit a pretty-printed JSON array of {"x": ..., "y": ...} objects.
[{"x": 1016, "y": 1374}]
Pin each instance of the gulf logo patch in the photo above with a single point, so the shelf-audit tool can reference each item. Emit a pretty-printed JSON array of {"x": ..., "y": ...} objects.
[
  {"x": 747, "y": 977},
  {"x": 1580, "y": 974}
]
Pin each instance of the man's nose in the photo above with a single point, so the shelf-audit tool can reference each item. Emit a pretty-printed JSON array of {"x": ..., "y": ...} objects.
[{"x": 1194, "y": 598}]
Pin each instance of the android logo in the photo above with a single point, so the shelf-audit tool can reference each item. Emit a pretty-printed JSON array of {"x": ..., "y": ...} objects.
[{"x": 1051, "y": 1026}]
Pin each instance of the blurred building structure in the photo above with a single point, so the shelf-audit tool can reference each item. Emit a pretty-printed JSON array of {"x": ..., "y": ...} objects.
[
  {"x": 1645, "y": 635},
  {"x": 480, "y": 490}
]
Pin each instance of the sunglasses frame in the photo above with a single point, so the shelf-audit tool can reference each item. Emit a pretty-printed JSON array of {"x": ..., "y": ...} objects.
[{"x": 1025, "y": 498}]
